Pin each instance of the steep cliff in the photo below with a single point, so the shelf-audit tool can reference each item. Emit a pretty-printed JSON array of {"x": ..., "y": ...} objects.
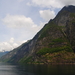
[{"x": 54, "y": 43}]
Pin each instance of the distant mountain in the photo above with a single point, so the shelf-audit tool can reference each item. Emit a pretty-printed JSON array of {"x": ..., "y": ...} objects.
[
  {"x": 54, "y": 43},
  {"x": 3, "y": 53}
]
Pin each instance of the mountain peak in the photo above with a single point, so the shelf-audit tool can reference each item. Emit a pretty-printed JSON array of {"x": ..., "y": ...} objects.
[{"x": 69, "y": 8}]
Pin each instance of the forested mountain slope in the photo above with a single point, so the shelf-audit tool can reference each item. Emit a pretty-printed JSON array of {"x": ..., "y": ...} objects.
[{"x": 54, "y": 43}]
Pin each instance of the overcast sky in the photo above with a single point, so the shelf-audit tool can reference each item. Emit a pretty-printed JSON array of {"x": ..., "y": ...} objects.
[{"x": 20, "y": 20}]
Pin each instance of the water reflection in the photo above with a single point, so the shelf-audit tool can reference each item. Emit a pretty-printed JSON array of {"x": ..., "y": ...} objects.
[
  {"x": 9, "y": 69},
  {"x": 50, "y": 69}
]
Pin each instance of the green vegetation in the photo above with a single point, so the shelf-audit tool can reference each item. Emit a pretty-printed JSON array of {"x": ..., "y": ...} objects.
[
  {"x": 48, "y": 27},
  {"x": 72, "y": 14},
  {"x": 58, "y": 40},
  {"x": 25, "y": 60},
  {"x": 58, "y": 57},
  {"x": 44, "y": 32},
  {"x": 52, "y": 50},
  {"x": 52, "y": 43}
]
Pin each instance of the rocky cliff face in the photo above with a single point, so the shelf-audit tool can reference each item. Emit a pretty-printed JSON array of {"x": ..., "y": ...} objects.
[
  {"x": 66, "y": 18},
  {"x": 55, "y": 42}
]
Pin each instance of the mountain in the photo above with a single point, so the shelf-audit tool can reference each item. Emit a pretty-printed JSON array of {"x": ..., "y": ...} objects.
[
  {"x": 3, "y": 53},
  {"x": 54, "y": 43}
]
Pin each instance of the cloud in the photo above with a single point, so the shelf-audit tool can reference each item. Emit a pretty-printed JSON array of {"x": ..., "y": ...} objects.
[
  {"x": 20, "y": 37},
  {"x": 21, "y": 29},
  {"x": 52, "y": 3},
  {"x": 23, "y": 26},
  {"x": 67, "y": 2},
  {"x": 21, "y": 22},
  {"x": 46, "y": 3},
  {"x": 10, "y": 44},
  {"x": 47, "y": 14},
  {"x": 17, "y": 21},
  {"x": 11, "y": 40}
]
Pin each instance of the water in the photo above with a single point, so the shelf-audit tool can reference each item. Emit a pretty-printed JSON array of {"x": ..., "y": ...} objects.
[{"x": 9, "y": 69}]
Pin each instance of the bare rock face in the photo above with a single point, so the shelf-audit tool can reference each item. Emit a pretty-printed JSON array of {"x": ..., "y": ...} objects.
[{"x": 58, "y": 35}]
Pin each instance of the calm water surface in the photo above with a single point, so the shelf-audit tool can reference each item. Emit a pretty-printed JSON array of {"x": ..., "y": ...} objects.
[{"x": 9, "y": 69}]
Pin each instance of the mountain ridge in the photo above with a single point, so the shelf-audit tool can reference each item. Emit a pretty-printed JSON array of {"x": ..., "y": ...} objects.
[{"x": 54, "y": 43}]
